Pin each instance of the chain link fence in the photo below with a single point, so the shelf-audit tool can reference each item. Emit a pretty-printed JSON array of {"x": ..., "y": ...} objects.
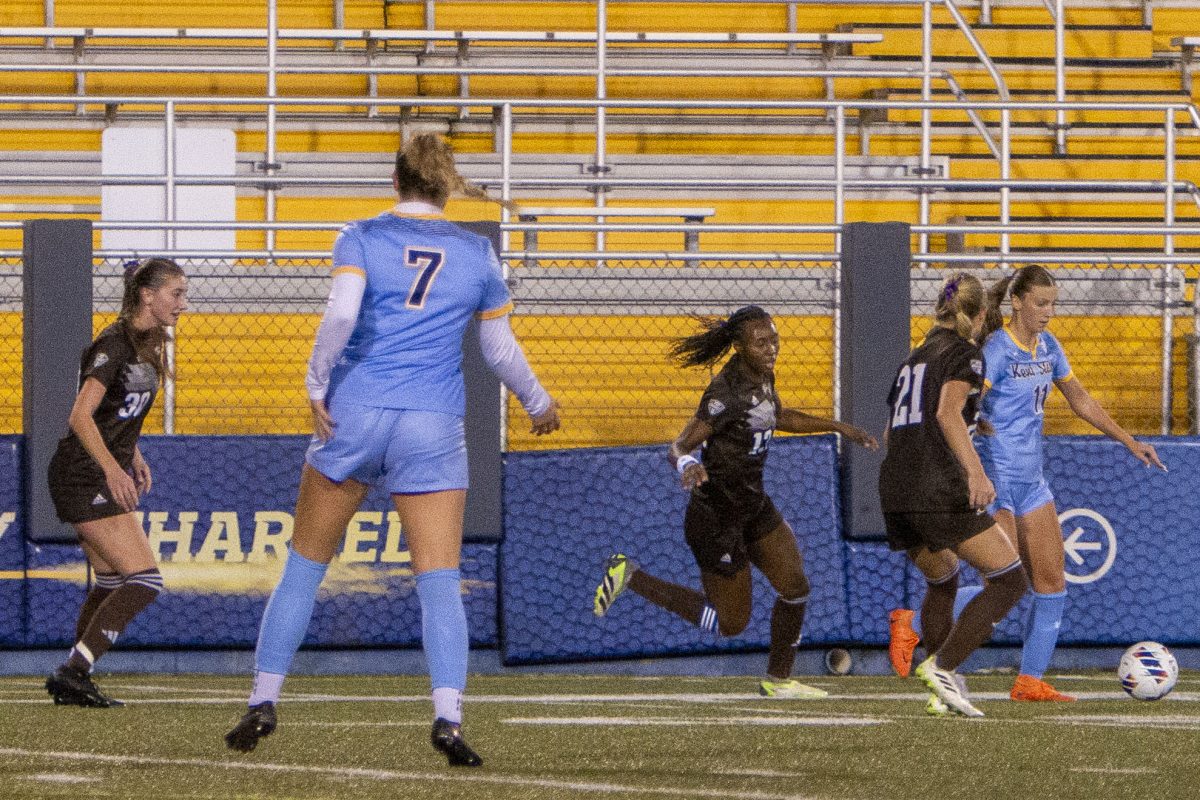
[{"x": 599, "y": 338}]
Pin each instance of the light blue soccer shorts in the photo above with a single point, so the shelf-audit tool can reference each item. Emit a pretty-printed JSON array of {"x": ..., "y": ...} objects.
[
  {"x": 402, "y": 450},
  {"x": 1021, "y": 498}
]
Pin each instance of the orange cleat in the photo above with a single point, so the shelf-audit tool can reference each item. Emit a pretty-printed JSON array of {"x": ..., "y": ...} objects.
[
  {"x": 902, "y": 640},
  {"x": 1028, "y": 689}
]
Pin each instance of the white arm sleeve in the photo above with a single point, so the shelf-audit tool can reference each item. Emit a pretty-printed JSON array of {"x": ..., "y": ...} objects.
[
  {"x": 504, "y": 356},
  {"x": 341, "y": 313}
]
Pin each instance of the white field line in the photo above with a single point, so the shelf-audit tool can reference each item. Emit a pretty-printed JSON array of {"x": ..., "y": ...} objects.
[
  {"x": 442, "y": 777},
  {"x": 640, "y": 700},
  {"x": 59, "y": 777},
  {"x": 1117, "y": 770},
  {"x": 360, "y": 724},
  {"x": 677, "y": 722}
]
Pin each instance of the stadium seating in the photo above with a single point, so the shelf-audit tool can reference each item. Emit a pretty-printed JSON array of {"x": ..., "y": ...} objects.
[{"x": 1110, "y": 57}]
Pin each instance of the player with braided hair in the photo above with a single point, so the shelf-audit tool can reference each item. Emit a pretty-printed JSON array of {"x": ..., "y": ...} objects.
[
  {"x": 97, "y": 474},
  {"x": 730, "y": 521},
  {"x": 386, "y": 388}
]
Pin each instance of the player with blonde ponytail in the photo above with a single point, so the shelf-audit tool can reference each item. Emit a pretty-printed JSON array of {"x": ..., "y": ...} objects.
[
  {"x": 1024, "y": 363},
  {"x": 386, "y": 390},
  {"x": 934, "y": 492}
]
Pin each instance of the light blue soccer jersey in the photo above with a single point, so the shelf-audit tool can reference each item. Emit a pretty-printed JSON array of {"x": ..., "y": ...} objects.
[
  {"x": 426, "y": 278},
  {"x": 1018, "y": 382}
]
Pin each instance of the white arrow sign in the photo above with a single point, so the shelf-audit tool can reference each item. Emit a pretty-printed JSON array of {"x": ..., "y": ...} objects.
[{"x": 1075, "y": 545}]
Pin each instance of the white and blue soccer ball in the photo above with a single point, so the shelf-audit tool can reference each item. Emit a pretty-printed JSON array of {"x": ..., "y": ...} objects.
[{"x": 1148, "y": 671}]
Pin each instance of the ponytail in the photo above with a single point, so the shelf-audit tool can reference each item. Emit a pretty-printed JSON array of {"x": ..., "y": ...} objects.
[
  {"x": 150, "y": 273},
  {"x": 425, "y": 168},
  {"x": 959, "y": 302},
  {"x": 706, "y": 348},
  {"x": 1016, "y": 284}
]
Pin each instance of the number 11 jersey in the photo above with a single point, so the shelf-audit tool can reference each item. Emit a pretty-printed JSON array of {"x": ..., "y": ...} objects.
[{"x": 920, "y": 472}]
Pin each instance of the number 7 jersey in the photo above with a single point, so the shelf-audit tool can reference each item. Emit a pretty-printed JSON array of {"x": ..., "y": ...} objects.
[
  {"x": 920, "y": 472},
  {"x": 425, "y": 278}
]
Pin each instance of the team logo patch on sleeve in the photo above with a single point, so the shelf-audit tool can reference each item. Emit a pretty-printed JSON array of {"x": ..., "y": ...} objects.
[
  {"x": 976, "y": 366},
  {"x": 100, "y": 361},
  {"x": 715, "y": 407}
]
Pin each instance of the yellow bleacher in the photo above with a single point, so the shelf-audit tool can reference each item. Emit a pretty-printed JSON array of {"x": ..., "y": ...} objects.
[{"x": 226, "y": 359}]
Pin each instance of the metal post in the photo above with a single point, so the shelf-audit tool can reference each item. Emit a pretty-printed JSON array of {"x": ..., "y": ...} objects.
[
  {"x": 1168, "y": 276},
  {"x": 791, "y": 26},
  {"x": 506, "y": 147},
  {"x": 270, "y": 165},
  {"x": 985, "y": 12},
  {"x": 339, "y": 22},
  {"x": 169, "y": 167},
  {"x": 1060, "y": 79},
  {"x": 926, "y": 115},
  {"x": 1005, "y": 170},
  {"x": 839, "y": 219},
  {"x": 600, "y": 167},
  {"x": 48, "y": 20},
  {"x": 169, "y": 170}
]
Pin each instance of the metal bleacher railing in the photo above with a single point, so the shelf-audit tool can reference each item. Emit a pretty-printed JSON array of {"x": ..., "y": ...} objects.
[{"x": 568, "y": 278}]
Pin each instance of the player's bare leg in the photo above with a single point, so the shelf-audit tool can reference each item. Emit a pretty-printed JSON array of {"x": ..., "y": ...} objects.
[{"x": 778, "y": 557}]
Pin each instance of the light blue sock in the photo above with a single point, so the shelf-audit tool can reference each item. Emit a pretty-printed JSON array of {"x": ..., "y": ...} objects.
[
  {"x": 1041, "y": 632},
  {"x": 288, "y": 613},
  {"x": 443, "y": 628},
  {"x": 964, "y": 595}
]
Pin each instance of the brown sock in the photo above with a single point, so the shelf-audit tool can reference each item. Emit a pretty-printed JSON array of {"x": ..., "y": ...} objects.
[
  {"x": 135, "y": 593},
  {"x": 787, "y": 618},
  {"x": 981, "y": 615},
  {"x": 106, "y": 583},
  {"x": 937, "y": 612},
  {"x": 679, "y": 600}
]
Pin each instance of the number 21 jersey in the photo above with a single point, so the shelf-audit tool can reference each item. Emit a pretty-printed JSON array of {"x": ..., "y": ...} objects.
[{"x": 920, "y": 472}]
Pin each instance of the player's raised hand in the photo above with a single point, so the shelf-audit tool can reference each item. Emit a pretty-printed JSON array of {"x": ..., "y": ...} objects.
[{"x": 1146, "y": 454}]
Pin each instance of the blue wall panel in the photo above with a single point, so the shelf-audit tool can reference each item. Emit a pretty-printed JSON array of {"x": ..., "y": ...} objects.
[
  {"x": 219, "y": 518},
  {"x": 566, "y": 511},
  {"x": 12, "y": 547}
]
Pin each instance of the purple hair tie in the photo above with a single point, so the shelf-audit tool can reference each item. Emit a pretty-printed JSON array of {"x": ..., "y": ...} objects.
[
  {"x": 951, "y": 288},
  {"x": 130, "y": 268}
]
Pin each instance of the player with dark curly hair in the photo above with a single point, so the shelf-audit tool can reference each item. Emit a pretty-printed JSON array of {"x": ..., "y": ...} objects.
[{"x": 730, "y": 521}]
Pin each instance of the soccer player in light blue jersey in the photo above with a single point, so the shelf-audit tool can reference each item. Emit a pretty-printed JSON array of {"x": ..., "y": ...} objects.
[
  {"x": 386, "y": 389},
  {"x": 1024, "y": 362}
]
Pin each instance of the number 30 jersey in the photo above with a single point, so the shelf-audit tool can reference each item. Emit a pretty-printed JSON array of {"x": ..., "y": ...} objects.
[
  {"x": 742, "y": 413},
  {"x": 425, "y": 278},
  {"x": 130, "y": 386},
  {"x": 920, "y": 472}
]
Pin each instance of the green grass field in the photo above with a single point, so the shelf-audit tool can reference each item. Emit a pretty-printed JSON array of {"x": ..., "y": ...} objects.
[{"x": 566, "y": 736}]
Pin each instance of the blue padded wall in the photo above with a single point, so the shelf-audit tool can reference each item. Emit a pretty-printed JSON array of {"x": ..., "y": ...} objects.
[{"x": 566, "y": 511}]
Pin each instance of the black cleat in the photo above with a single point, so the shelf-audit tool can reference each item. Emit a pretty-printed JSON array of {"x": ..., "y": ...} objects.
[
  {"x": 69, "y": 687},
  {"x": 255, "y": 724},
  {"x": 447, "y": 737}
]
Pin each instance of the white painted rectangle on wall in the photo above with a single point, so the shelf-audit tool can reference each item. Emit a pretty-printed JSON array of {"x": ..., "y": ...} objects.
[{"x": 140, "y": 151}]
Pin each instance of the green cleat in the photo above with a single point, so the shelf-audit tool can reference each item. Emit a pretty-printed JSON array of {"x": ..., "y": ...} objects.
[
  {"x": 936, "y": 708},
  {"x": 617, "y": 572},
  {"x": 945, "y": 685},
  {"x": 790, "y": 689}
]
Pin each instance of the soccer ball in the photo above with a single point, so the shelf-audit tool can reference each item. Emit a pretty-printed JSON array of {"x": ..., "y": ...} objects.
[{"x": 1148, "y": 671}]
